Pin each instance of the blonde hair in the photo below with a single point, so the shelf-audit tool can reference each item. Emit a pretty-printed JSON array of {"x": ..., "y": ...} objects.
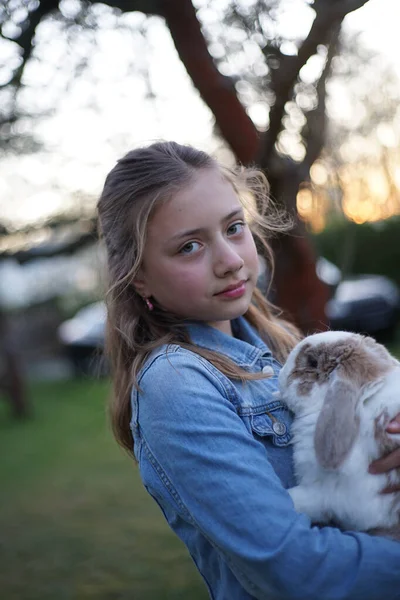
[{"x": 132, "y": 190}]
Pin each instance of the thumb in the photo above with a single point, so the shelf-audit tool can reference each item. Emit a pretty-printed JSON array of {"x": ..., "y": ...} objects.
[{"x": 394, "y": 425}]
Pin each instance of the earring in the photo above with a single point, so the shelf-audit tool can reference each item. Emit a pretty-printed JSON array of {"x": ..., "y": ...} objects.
[{"x": 149, "y": 304}]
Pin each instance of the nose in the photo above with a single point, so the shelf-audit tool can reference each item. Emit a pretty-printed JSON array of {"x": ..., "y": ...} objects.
[{"x": 226, "y": 259}]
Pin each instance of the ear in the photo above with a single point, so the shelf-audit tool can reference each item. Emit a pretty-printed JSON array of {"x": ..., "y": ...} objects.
[
  {"x": 337, "y": 424},
  {"x": 140, "y": 284},
  {"x": 371, "y": 388}
]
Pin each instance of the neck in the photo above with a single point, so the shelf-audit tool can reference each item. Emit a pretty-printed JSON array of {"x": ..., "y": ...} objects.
[{"x": 223, "y": 326}]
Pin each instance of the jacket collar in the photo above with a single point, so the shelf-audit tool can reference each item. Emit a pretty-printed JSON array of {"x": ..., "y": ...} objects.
[{"x": 245, "y": 346}]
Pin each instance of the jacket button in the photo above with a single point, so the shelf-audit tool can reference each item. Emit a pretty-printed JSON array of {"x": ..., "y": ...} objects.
[
  {"x": 279, "y": 428},
  {"x": 268, "y": 370}
]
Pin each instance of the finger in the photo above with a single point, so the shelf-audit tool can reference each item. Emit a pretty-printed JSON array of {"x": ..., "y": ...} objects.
[
  {"x": 390, "y": 489},
  {"x": 387, "y": 463},
  {"x": 394, "y": 425}
]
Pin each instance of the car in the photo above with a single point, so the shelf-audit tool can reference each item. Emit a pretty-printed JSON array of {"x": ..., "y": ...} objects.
[
  {"x": 82, "y": 339},
  {"x": 368, "y": 304}
]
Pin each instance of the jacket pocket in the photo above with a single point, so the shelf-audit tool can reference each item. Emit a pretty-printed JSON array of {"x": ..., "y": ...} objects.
[{"x": 274, "y": 422}]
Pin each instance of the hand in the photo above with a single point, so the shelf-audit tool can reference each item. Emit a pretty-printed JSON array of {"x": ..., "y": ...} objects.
[{"x": 390, "y": 461}]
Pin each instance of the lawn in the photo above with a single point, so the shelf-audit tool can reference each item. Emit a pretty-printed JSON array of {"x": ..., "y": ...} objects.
[{"x": 75, "y": 521}]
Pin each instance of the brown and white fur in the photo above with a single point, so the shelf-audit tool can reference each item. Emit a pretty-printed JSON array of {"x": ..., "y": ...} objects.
[{"x": 343, "y": 389}]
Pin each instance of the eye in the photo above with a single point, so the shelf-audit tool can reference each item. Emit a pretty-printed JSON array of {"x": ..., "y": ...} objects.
[
  {"x": 189, "y": 248},
  {"x": 236, "y": 228},
  {"x": 312, "y": 361}
]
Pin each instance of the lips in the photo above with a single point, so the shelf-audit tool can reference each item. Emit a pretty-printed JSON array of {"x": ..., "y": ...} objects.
[{"x": 232, "y": 287}]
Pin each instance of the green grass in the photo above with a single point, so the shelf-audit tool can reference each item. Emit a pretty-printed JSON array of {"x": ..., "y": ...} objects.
[{"x": 75, "y": 521}]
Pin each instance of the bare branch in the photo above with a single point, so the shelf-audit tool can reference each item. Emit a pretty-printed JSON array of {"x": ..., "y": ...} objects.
[
  {"x": 315, "y": 130},
  {"x": 25, "y": 40},
  {"x": 329, "y": 16},
  {"x": 61, "y": 240},
  {"x": 339, "y": 8},
  {"x": 217, "y": 91},
  {"x": 148, "y": 7}
]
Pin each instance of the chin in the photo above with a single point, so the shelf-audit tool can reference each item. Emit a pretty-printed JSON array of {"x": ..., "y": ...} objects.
[{"x": 237, "y": 310}]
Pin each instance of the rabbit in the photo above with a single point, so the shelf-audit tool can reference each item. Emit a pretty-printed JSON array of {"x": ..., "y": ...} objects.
[{"x": 343, "y": 389}]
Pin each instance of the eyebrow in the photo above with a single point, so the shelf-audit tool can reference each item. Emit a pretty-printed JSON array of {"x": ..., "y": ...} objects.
[{"x": 190, "y": 232}]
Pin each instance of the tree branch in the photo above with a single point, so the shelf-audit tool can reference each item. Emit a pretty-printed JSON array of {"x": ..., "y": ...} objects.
[
  {"x": 25, "y": 40},
  {"x": 217, "y": 91},
  {"x": 60, "y": 241},
  {"x": 339, "y": 7},
  {"x": 315, "y": 129},
  {"x": 329, "y": 15},
  {"x": 148, "y": 7}
]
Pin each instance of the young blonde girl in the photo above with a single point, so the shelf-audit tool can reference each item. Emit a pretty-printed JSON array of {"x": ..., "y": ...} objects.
[{"x": 195, "y": 350}]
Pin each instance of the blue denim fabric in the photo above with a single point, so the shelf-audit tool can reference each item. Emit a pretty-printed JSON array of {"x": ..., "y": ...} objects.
[{"x": 215, "y": 455}]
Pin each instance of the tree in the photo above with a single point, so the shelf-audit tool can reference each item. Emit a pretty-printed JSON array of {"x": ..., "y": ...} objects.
[
  {"x": 356, "y": 176},
  {"x": 299, "y": 291}
]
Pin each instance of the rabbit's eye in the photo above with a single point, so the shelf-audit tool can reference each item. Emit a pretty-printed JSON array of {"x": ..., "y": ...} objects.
[{"x": 312, "y": 362}]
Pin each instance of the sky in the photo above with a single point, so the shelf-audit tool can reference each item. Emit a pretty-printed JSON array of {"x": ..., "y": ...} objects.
[{"x": 82, "y": 142}]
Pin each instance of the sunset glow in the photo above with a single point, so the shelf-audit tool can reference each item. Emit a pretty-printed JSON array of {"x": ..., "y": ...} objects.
[{"x": 366, "y": 193}]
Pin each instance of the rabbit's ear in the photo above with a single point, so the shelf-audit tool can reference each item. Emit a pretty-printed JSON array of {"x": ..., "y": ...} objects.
[
  {"x": 337, "y": 424},
  {"x": 371, "y": 388}
]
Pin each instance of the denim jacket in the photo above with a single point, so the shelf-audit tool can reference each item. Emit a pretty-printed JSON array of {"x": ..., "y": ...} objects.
[{"x": 215, "y": 454}]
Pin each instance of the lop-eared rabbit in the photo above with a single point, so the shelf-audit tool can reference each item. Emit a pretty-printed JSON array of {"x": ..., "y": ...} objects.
[{"x": 343, "y": 389}]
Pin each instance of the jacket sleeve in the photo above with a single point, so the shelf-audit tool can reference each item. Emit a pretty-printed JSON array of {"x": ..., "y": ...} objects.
[{"x": 220, "y": 477}]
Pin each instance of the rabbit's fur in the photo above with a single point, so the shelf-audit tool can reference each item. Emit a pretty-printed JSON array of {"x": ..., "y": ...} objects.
[{"x": 343, "y": 389}]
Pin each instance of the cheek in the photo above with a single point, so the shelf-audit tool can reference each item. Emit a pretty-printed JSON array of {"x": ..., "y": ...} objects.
[
  {"x": 185, "y": 281},
  {"x": 189, "y": 283},
  {"x": 251, "y": 252},
  {"x": 250, "y": 245}
]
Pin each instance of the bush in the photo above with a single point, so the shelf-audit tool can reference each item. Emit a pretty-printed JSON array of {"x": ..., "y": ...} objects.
[{"x": 362, "y": 249}]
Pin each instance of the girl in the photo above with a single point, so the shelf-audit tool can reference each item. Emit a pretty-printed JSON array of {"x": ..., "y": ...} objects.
[{"x": 195, "y": 351}]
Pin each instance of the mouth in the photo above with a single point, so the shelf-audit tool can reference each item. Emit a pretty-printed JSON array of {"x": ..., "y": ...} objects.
[{"x": 234, "y": 290}]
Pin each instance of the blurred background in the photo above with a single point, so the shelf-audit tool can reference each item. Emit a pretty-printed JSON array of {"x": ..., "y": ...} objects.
[{"x": 308, "y": 90}]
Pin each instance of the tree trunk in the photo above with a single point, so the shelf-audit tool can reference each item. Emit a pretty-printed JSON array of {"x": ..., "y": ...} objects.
[
  {"x": 217, "y": 91},
  {"x": 298, "y": 290},
  {"x": 11, "y": 378}
]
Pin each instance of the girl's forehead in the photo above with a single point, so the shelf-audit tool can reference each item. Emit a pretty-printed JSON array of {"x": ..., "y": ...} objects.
[
  {"x": 208, "y": 191},
  {"x": 202, "y": 204}
]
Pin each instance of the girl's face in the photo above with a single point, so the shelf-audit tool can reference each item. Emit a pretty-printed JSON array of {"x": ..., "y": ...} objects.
[{"x": 200, "y": 261}]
